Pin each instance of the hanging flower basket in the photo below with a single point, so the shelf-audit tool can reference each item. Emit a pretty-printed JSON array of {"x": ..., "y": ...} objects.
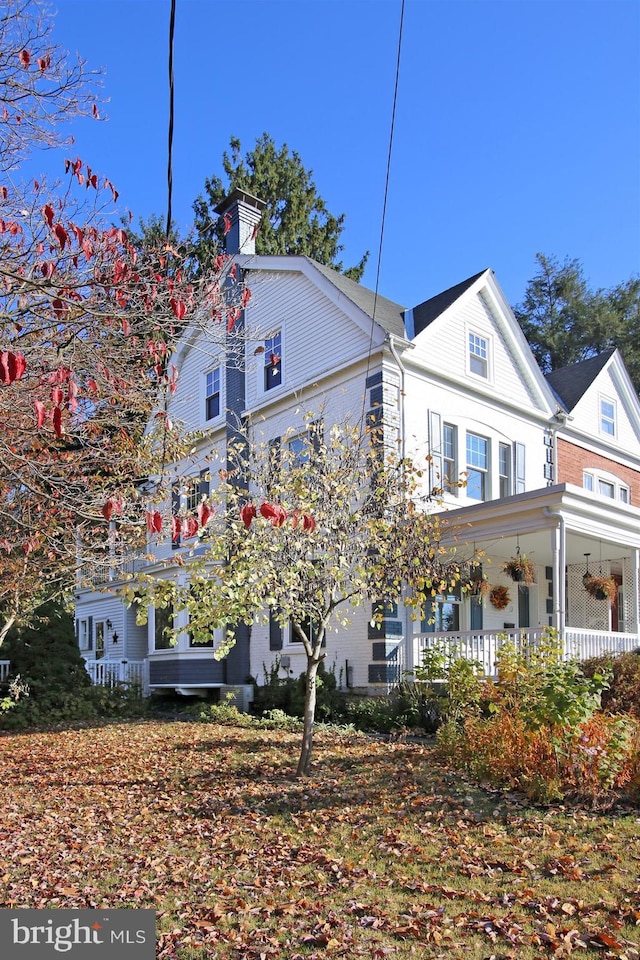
[
  {"x": 601, "y": 587},
  {"x": 520, "y": 568},
  {"x": 476, "y": 583},
  {"x": 499, "y": 597}
]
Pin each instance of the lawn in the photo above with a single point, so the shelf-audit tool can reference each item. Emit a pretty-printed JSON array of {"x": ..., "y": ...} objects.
[{"x": 384, "y": 852}]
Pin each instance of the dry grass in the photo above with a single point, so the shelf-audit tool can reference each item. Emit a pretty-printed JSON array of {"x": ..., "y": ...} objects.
[{"x": 382, "y": 853}]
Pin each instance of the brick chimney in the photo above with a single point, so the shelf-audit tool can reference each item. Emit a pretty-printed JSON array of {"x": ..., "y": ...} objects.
[{"x": 245, "y": 213}]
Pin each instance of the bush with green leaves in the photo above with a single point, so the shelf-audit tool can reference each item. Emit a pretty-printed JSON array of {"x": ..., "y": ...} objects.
[
  {"x": 539, "y": 727},
  {"x": 287, "y": 694},
  {"x": 44, "y": 655}
]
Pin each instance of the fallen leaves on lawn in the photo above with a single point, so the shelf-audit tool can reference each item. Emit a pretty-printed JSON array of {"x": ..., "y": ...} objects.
[{"x": 383, "y": 852}]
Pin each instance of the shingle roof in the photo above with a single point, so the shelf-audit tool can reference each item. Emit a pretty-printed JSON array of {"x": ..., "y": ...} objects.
[
  {"x": 571, "y": 383},
  {"x": 387, "y": 313},
  {"x": 425, "y": 313}
]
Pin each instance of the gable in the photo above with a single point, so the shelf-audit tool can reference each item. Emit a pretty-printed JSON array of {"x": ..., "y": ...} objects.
[
  {"x": 480, "y": 313},
  {"x": 610, "y": 392}
]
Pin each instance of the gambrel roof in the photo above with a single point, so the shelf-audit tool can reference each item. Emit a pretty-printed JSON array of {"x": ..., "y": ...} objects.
[{"x": 386, "y": 313}]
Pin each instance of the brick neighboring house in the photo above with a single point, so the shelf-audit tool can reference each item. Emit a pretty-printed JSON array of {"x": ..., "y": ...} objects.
[{"x": 552, "y": 467}]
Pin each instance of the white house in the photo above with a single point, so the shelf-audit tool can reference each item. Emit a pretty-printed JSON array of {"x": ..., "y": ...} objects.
[{"x": 552, "y": 465}]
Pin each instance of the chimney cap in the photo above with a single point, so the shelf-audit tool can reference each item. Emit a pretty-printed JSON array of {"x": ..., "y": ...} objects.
[{"x": 239, "y": 196}]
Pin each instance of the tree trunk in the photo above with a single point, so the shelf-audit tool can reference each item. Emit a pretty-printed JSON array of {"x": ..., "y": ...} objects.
[
  {"x": 304, "y": 763},
  {"x": 6, "y": 626}
]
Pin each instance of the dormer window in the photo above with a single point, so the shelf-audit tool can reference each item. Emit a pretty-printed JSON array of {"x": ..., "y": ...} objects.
[
  {"x": 607, "y": 417},
  {"x": 478, "y": 355}
]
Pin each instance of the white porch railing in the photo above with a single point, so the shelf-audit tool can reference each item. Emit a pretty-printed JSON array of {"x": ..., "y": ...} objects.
[
  {"x": 108, "y": 673},
  {"x": 483, "y": 645},
  {"x": 583, "y": 644},
  {"x": 479, "y": 645},
  {"x": 4, "y": 669}
]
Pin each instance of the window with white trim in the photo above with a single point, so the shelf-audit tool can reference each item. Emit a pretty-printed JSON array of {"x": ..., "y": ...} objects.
[
  {"x": 192, "y": 495},
  {"x": 303, "y": 445},
  {"x": 449, "y": 458},
  {"x": 273, "y": 361},
  {"x": 212, "y": 403},
  {"x": 504, "y": 469},
  {"x": 606, "y": 485},
  {"x": 477, "y": 467},
  {"x": 85, "y": 634},
  {"x": 162, "y": 624},
  {"x": 478, "y": 355},
  {"x": 607, "y": 417}
]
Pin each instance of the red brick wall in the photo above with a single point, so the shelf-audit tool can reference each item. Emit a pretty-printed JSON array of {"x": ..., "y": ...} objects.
[{"x": 573, "y": 460}]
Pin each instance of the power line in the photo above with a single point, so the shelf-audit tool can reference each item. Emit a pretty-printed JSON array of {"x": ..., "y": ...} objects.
[
  {"x": 172, "y": 23},
  {"x": 384, "y": 203}
]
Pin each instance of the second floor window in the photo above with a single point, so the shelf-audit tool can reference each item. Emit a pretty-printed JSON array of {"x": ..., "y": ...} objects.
[
  {"x": 273, "y": 361},
  {"x": 477, "y": 467},
  {"x": 504, "y": 454},
  {"x": 212, "y": 398},
  {"x": 606, "y": 485},
  {"x": 478, "y": 355},
  {"x": 449, "y": 466}
]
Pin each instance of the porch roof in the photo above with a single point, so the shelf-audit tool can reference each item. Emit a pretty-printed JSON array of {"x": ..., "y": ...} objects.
[{"x": 607, "y": 528}]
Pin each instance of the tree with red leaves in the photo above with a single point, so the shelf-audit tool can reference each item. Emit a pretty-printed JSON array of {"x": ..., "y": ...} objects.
[{"x": 87, "y": 326}]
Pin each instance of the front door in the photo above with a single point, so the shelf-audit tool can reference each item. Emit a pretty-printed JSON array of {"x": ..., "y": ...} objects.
[{"x": 100, "y": 632}]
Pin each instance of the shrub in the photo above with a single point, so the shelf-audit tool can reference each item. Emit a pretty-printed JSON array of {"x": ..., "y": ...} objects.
[
  {"x": 287, "y": 694},
  {"x": 45, "y": 655},
  {"x": 539, "y": 728}
]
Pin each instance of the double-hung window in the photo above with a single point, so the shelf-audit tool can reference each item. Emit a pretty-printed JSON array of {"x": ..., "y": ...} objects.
[
  {"x": 477, "y": 467},
  {"x": 449, "y": 465},
  {"x": 162, "y": 624},
  {"x": 504, "y": 467},
  {"x": 607, "y": 417},
  {"x": 212, "y": 394},
  {"x": 478, "y": 355},
  {"x": 273, "y": 361}
]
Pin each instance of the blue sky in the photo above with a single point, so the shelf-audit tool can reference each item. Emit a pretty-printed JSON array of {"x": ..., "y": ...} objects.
[{"x": 517, "y": 126}]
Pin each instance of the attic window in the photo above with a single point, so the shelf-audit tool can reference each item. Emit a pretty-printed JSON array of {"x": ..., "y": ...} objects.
[
  {"x": 478, "y": 355},
  {"x": 607, "y": 417}
]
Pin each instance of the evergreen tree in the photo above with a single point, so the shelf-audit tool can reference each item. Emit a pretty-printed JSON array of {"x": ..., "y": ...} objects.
[
  {"x": 566, "y": 322},
  {"x": 296, "y": 219}
]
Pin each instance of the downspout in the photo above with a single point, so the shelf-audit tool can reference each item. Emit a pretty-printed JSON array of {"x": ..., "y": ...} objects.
[
  {"x": 396, "y": 356},
  {"x": 559, "y": 566},
  {"x": 409, "y": 651}
]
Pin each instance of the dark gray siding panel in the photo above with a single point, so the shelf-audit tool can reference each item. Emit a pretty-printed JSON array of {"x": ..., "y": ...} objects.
[{"x": 192, "y": 671}]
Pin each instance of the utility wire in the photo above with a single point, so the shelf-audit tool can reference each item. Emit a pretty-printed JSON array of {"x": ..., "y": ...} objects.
[
  {"x": 384, "y": 205},
  {"x": 172, "y": 23}
]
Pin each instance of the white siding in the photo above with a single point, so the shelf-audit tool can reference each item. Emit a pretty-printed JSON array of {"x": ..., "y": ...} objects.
[
  {"x": 318, "y": 337},
  {"x": 443, "y": 349},
  {"x": 586, "y": 415}
]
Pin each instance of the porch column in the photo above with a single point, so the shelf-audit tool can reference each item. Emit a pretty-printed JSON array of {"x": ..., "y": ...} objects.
[
  {"x": 559, "y": 552},
  {"x": 635, "y": 591}
]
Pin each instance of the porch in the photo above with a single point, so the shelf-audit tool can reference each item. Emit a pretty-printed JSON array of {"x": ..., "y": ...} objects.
[
  {"x": 483, "y": 646},
  {"x": 111, "y": 673}
]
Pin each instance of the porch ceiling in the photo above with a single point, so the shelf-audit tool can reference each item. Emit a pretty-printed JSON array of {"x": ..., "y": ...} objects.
[{"x": 605, "y": 529}]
